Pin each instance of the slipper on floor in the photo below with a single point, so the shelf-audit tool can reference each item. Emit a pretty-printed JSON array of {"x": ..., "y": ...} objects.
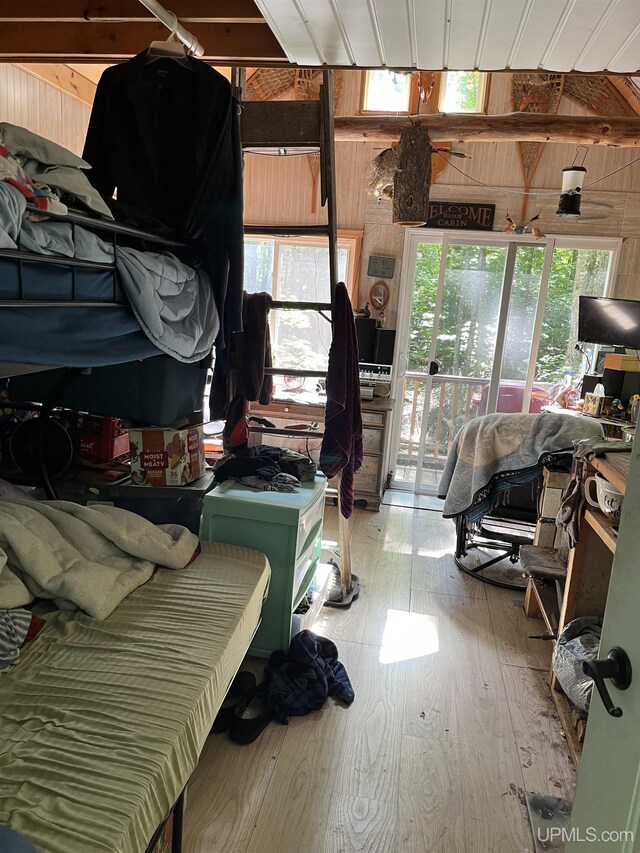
[
  {"x": 251, "y": 716},
  {"x": 335, "y": 591},
  {"x": 242, "y": 686}
]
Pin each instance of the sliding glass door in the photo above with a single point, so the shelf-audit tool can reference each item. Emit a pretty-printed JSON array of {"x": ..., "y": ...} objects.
[{"x": 499, "y": 316}]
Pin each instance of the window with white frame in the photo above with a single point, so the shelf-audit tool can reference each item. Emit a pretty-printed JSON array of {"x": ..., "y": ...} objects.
[
  {"x": 297, "y": 270},
  {"x": 463, "y": 92}
]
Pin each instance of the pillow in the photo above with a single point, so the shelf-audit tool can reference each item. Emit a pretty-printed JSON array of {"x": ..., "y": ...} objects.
[
  {"x": 22, "y": 142},
  {"x": 68, "y": 181}
]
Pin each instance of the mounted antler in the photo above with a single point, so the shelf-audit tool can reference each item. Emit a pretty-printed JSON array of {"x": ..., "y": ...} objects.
[{"x": 523, "y": 228}]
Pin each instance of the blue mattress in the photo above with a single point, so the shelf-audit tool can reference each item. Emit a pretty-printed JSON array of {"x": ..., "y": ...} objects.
[{"x": 67, "y": 336}]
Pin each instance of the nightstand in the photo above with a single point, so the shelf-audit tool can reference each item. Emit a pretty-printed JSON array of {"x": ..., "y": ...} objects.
[{"x": 287, "y": 527}]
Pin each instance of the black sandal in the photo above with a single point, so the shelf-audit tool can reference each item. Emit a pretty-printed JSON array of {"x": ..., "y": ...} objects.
[
  {"x": 241, "y": 687},
  {"x": 251, "y": 717}
]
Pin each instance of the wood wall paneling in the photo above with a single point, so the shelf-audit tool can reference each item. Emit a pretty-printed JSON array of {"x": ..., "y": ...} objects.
[
  {"x": 278, "y": 190},
  {"x": 32, "y": 103}
]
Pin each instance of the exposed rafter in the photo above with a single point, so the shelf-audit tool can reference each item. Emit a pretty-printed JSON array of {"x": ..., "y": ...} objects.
[
  {"x": 597, "y": 94},
  {"x": 231, "y": 31},
  {"x": 628, "y": 90},
  {"x": 534, "y": 93},
  {"x": 64, "y": 78},
  {"x": 106, "y": 11},
  {"x": 532, "y": 127}
]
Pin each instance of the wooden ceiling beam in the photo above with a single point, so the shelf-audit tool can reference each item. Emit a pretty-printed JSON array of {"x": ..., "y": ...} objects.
[
  {"x": 105, "y": 11},
  {"x": 63, "y": 78},
  {"x": 618, "y": 131},
  {"x": 627, "y": 91},
  {"x": 246, "y": 44}
]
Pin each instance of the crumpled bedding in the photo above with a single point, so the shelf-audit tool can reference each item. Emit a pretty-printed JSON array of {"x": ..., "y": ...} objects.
[
  {"x": 77, "y": 556},
  {"x": 14, "y": 625},
  {"x": 58, "y": 238},
  {"x": 173, "y": 303},
  {"x": 12, "y": 205},
  {"x": 493, "y": 447}
]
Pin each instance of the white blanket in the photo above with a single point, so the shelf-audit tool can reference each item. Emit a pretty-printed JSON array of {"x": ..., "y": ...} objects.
[{"x": 87, "y": 557}]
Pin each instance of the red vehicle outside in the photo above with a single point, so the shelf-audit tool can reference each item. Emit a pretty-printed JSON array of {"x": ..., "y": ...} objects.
[{"x": 510, "y": 397}]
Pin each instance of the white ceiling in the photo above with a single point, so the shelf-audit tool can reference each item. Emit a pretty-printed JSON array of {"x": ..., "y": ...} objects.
[{"x": 490, "y": 35}]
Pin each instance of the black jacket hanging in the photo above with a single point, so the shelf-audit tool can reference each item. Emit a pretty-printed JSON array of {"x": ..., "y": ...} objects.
[{"x": 165, "y": 134}]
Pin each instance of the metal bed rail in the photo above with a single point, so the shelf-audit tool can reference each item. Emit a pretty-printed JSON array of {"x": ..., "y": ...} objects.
[{"x": 113, "y": 229}]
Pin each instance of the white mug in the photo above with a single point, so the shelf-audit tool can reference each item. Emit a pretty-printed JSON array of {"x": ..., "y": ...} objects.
[{"x": 609, "y": 500}]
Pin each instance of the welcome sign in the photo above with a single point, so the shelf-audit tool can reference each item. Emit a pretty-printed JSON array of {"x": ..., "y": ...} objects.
[{"x": 467, "y": 216}]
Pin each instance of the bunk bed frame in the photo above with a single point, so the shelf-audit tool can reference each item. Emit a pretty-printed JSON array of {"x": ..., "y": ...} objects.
[{"x": 111, "y": 229}]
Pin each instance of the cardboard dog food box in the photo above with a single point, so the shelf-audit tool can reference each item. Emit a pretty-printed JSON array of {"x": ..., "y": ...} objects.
[{"x": 166, "y": 457}]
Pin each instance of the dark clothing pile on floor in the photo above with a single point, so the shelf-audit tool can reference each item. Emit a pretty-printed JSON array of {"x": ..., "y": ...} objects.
[
  {"x": 266, "y": 468},
  {"x": 301, "y": 681},
  {"x": 296, "y": 684}
]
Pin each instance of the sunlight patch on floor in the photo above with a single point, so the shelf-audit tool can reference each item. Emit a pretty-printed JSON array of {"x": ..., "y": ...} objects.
[
  {"x": 396, "y": 546},
  {"x": 408, "y": 635},
  {"x": 435, "y": 553}
]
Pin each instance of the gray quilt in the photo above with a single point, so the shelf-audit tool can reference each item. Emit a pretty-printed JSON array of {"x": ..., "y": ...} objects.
[
  {"x": 496, "y": 447},
  {"x": 12, "y": 205},
  {"x": 173, "y": 303}
]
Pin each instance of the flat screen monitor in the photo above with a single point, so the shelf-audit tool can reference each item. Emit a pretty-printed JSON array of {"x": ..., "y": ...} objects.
[{"x": 610, "y": 322}]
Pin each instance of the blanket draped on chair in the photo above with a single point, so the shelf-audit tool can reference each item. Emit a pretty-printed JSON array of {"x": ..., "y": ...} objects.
[{"x": 492, "y": 453}]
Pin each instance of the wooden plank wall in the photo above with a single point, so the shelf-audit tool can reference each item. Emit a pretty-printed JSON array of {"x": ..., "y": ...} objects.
[
  {"x": 497, "y": 162},
  {"x": 32, "y": 103},
  {"x": 279, "y": 190},
  {"x": 622, "y": 220}
]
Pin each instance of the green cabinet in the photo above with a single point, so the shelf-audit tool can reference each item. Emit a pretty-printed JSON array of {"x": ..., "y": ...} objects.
[{"x": 287, "y": 527}]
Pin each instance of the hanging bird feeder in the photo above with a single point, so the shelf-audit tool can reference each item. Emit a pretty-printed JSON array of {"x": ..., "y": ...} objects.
[{"x": 572, "y": 183}]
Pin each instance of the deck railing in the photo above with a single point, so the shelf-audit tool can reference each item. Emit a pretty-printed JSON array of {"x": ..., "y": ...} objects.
[{"x": 451, "y": 405}]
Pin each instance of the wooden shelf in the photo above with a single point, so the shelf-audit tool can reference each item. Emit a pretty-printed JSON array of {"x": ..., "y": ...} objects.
[
  {"x": 614, "y": 467},
  {"x": 599, "y": 522},
  {"x": 563, "y": 707}
]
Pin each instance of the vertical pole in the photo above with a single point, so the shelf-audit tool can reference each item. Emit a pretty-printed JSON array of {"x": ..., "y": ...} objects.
[
  {"x": 537, "y": 325},
  {"x": 328, "y": 185},
  {"x": 238, "y": 82},
  {"x": 428, "y": 382},
  {"x": 344, "y": 528},
  {"x": 328, "y": 173},
  {"x": 178, "y": 821}
]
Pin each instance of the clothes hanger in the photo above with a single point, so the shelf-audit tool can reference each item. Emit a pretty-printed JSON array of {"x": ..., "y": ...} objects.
[{"x": 172, "y": 48}]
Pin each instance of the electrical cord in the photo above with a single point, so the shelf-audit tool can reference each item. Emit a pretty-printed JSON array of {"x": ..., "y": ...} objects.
[
  {"x": 580, "y": 348},
  {"x": 529, "y": 192}
]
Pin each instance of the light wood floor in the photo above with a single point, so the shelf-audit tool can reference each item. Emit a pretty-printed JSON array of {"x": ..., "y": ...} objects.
[{"x": 452, "y": 720}]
